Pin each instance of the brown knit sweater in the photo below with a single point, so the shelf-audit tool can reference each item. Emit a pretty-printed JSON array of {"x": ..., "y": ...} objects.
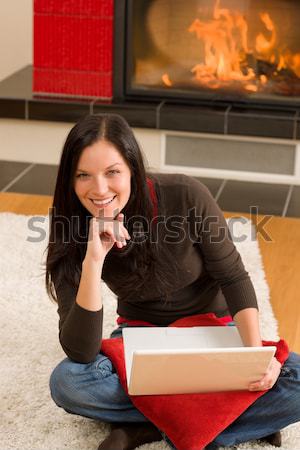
[{"x": 212, "y": 277}]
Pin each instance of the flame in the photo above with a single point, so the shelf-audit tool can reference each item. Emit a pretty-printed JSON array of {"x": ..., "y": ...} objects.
[
  {"x": 295, "y": 64},
  {"x": 290, "y": 61},
  {"x": 251, "y": 87},
  {"x": 282, "y": 63},
  {"x": 222, "y": 54},
  {"x": 227, "y": 52},
  {"x": 263, "y": 79},
  {"x": 264, "y": 45},
  {"x": 167, "y": 80}
]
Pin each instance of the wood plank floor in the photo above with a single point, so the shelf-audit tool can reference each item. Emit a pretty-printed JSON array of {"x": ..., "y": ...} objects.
[{"x": 281, "y": 257}]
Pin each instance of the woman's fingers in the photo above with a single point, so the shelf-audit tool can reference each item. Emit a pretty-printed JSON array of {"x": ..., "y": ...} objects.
[
  {"x": 113, "y": 230},
  {"x": 261, "y": 385},
  {"x": 121, "y": 232},
  {"x": 105, "y": 233},
  {"x": 124, "y": 231},
  {"x": 96, "y": 247},
  {"x": 269, "y": 379},
  {"x": 119, "y": 235}
]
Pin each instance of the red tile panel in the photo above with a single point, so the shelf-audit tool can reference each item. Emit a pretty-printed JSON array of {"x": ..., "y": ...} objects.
[
  {"x": 81, "y": 43},
  {"x": 91, "y": 84},
  {"x": 81, "y": 7},
  {"x": 73, "y": 47}
]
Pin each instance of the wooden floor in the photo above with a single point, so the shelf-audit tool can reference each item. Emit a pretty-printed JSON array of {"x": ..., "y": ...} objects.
[{"x": 281, "y": 257}]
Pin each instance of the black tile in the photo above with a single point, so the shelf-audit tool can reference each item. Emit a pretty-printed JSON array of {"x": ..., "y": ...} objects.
[
  {"x": 212, "y": 184},
  {"x": 9, "y": 170},
  {"x": 58, "y": 110},
  {"x": 258, "y": 122},
  {"x": 205, "y": 119},
  {"x": 298, "y": 128},
  {"x": 239, "y": 196},
  {"x": 39, "y": 180},
  {"x": 294, "y": 204},
  {"x": 137, "y": 114},
  {"x": 12, "y": 109}
]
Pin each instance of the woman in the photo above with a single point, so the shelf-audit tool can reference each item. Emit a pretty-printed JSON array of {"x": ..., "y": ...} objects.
[{"x": 161, "y": 244}]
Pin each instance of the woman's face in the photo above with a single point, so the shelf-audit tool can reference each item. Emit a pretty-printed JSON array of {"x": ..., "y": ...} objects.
[{"x": 102, "y": 179}]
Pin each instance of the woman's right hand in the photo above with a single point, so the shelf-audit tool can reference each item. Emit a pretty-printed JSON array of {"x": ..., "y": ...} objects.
[{"x": 104, "y": 232}]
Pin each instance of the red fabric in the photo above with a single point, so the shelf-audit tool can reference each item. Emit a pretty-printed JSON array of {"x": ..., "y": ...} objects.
[
  {"x": 190, "y": 421},
  {"x": 153, "y": 197}
]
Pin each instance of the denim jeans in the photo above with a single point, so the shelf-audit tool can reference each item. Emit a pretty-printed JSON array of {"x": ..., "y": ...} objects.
[{"x": 93, "y": 390}]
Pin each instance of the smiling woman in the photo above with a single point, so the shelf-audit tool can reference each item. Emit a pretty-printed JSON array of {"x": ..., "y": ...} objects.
[
  {"x": 102, "y": 175},
  {"x": 162, "y": 245}
]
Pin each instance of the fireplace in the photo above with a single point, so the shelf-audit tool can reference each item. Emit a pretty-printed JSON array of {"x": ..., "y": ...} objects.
[
  {"x": 227, "y": 108},
  {"x": 241, "y": 51}
]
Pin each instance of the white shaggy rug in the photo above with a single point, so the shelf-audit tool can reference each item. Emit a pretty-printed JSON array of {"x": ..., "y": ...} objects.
[{"x": 30, "y": 348}]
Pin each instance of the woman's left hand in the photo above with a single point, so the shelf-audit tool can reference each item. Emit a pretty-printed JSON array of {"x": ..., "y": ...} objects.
[{"x": 269, "y": 379}]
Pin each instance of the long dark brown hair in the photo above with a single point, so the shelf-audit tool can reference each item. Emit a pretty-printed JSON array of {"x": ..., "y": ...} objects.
[{"x": 147, "y": 260}]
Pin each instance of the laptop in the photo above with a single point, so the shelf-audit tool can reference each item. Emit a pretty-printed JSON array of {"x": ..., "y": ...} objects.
[{"x": 170, "y": 360}]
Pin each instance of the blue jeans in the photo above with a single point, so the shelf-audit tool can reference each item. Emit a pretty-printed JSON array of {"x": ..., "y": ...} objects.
[{"x": 93, "y": 390}]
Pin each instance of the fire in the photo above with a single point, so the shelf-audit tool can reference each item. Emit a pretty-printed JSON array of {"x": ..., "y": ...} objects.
[
  {"x": 167, "y": 80},
  {"x": 264, "y": 45},
  {"x": 295, "y": 63},
  {"x": 228, "y": 56},
  {"x": 263, "y": 79}
]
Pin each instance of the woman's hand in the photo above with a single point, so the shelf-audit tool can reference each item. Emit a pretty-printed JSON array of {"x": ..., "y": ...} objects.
[
  {"x": 104, "y": 232},
  {"x": 269, "y": 379}
]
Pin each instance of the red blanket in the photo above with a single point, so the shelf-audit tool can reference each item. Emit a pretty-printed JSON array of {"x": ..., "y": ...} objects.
[{"x": 190, "y": 421}]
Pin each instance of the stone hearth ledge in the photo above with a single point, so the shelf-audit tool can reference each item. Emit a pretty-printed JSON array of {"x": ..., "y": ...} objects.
[{"x": 17, "y": 101}]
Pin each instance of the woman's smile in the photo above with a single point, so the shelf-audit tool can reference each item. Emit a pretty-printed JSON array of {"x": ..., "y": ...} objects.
[{"x": 103, "y": 203}]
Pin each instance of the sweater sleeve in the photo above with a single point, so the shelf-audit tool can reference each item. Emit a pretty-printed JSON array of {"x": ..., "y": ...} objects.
[
  {"x": 80, "y": 330},
  {"x": 221, "y": 258}
]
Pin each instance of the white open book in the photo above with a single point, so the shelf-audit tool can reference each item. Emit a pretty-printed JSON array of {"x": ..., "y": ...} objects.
[{"x": 169, "y": 360}]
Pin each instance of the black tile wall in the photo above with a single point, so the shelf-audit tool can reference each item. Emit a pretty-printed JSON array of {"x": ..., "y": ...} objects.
[
  {"x": 39, "y": 180},
  {"x": 212, "y": 184},
  {"x": 9, "y": 170},
  {"x": 57, "y": 111},
  {"x": 294, "y": 204},
  {"x": 239, "y": 196},
  {"x": 191, "y": 118},
  {"x": 12, "y": 109},
  {"x": 298, "y": 128},
  {"x": 142, "y": 115},
  {"x": 265, "y": 123}
]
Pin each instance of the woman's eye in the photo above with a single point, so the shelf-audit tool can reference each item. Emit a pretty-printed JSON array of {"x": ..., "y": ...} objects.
[
  {"x": 113, "y": 172},
  {"x": 82, "y": 175}
]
